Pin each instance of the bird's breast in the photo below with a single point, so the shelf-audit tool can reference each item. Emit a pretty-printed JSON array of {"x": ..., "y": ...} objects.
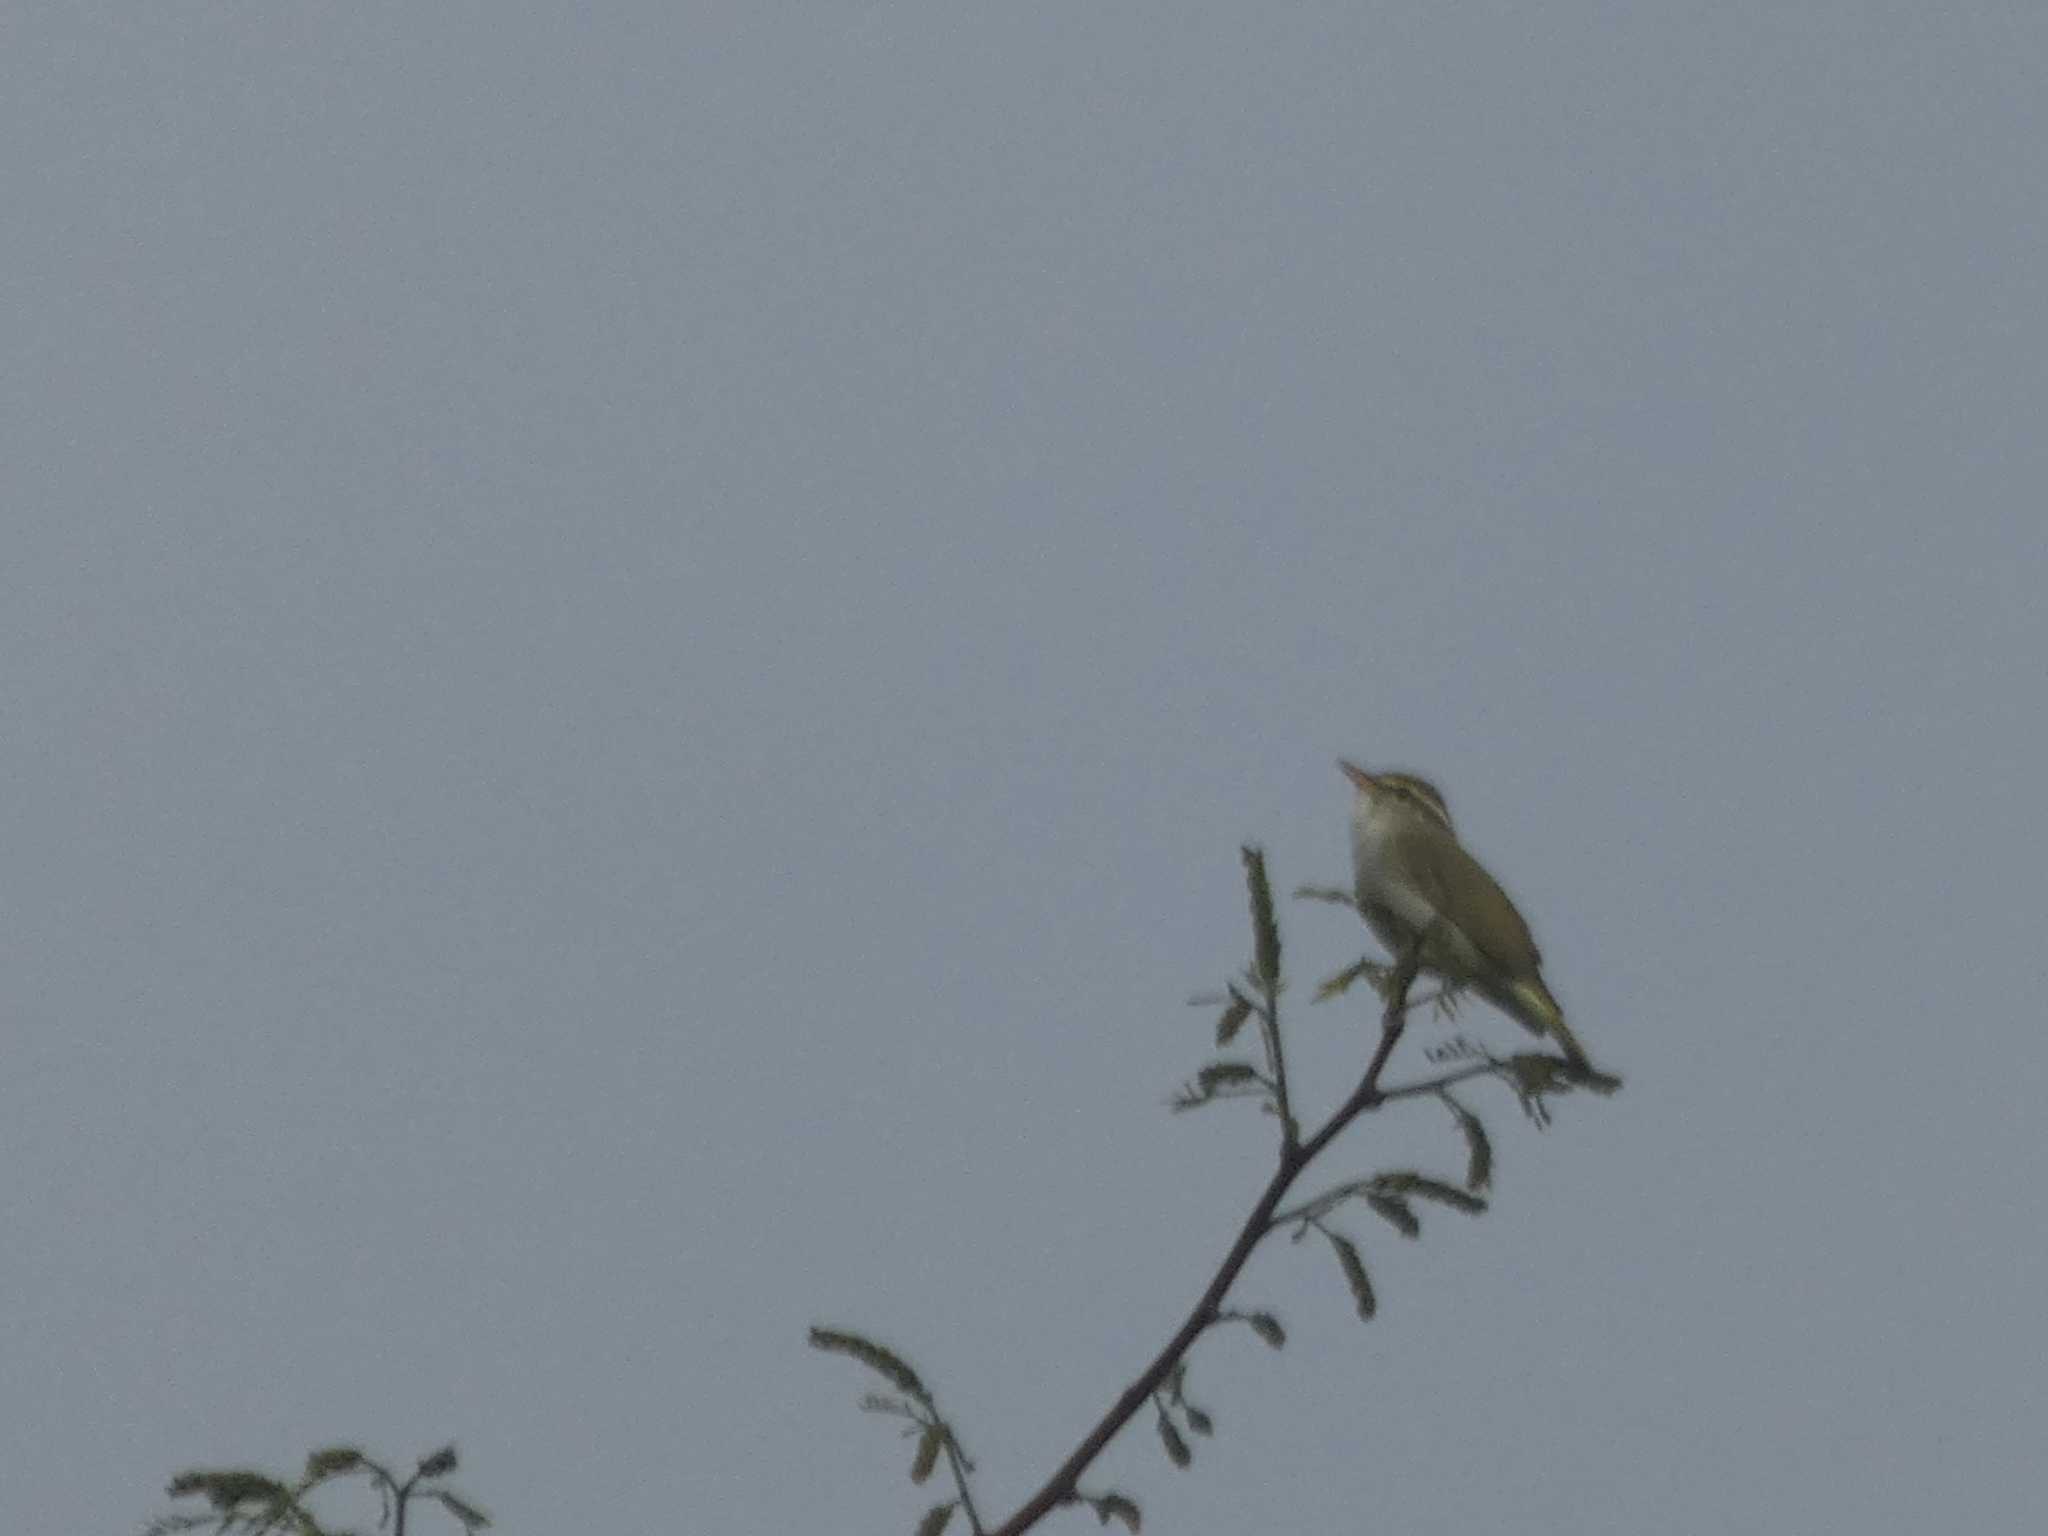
[{"x": 1387, "y": 892}]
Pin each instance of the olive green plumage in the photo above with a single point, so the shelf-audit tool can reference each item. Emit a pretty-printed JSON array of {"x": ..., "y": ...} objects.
[{"x": 1415, "y": 878}]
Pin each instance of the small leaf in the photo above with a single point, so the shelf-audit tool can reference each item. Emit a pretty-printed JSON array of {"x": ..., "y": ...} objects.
[
  {"x": 1198, "y": 1421},
  {"x": 935, "y": 1519},
  {"x": 1536, "y": 1073},
  {"x": 1219, "y": 1074},
  {"x": 472, "y": 1518},
  {"x": 1478, "y": 1148},
  {"x": 1457, "y": 1048},
  {"x": 1233, "y": 1018},
  {"x": 332, "y": 1462},
  {"x": 1267, "y": 1327},
  {"x": 1265, "y": 931},
  {"x": 873, "y": 1356},
  {"x": 1336, "y": 895},
  {"x": 928, "y": 1446},
  {"x": 440, "y": 1464},
  {"x": 1394, "y": 1209},
  {"x": 1114, "y": 1506},
  {"x": 1431, "y": 1189},
  {"x": 1177, "y": 1450},
  {"x": 1593, "y": 1079},
  {"x": 1354, "y": 1273},
  {"x": 1367, "y": 969},
  {"x": 225, "y": 1490}
]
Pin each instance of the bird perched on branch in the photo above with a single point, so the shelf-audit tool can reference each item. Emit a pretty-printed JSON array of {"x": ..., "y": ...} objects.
[{"x": 1417, "y": 884}]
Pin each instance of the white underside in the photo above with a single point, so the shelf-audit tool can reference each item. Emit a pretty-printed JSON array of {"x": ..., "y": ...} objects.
[{"x": 1382, "y": 886}]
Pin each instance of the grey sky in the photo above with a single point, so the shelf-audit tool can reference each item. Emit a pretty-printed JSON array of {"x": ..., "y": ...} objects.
[{"x": 637, "y": 643}]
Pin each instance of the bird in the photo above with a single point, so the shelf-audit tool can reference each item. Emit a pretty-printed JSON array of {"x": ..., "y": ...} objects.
[{"x": 1423, "y": 895}]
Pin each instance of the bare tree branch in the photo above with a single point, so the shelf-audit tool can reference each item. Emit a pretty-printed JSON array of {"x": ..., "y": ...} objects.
[{"x": 1294, "y": 1159}]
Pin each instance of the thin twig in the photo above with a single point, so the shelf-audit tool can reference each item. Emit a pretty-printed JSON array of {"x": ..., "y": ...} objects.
[
  {"x": 1294, "y": 1157},
  {"x": 1311, "y": 1212},
  {"x": 957, "y": 1464},
  {"x": 1431, "y": 1085},
  {"x": 1269, "y": 1025}
]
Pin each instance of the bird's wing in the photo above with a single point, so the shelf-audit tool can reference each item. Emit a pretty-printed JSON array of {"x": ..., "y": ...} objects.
[{"x": 1455, "y": 881}]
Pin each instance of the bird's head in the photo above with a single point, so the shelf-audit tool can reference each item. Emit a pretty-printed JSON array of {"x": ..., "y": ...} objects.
[{"x": 1391, "y": 790}]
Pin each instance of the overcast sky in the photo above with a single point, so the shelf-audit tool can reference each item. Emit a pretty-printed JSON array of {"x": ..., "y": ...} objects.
[{"x": 635, "y": 643}]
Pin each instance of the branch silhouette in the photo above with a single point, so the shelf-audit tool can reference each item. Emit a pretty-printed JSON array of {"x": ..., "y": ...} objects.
[
  {"x": 242, "y": 1502},
  {"x": 1532, "y": 1076}
]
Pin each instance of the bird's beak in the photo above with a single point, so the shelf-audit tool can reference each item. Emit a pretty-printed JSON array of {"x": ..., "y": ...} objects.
[{"x": 1358, "y": 775}]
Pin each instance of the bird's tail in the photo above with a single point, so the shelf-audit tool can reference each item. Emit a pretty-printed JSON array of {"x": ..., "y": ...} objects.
[{"x": 1538, "y": 1010}]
